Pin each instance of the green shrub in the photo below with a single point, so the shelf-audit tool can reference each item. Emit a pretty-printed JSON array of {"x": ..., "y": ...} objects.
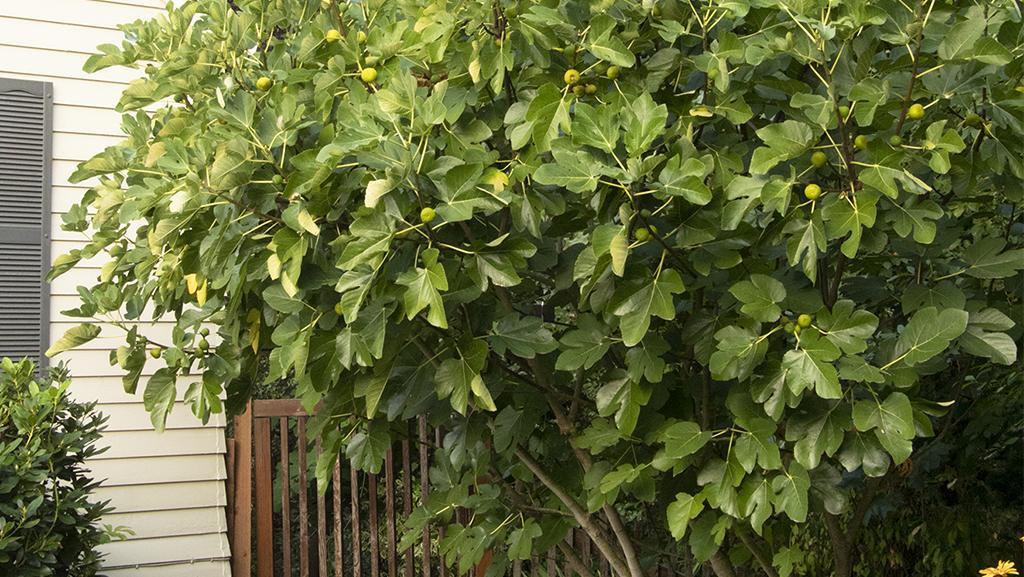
[{"x": 48, "y": 524}]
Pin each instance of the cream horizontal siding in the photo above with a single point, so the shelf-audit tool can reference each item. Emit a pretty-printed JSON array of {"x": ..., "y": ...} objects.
[
  {"x": 168, "y": 488},
  {"x": 197, "y": 569},
  {"x": 173, "y": 496}
]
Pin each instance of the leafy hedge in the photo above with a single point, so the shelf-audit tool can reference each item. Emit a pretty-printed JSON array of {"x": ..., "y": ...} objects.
[{"x": 48, "y": 523}]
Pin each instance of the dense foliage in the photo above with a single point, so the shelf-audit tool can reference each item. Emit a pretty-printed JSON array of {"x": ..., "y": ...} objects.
[
  {"x": 49, "y": 522},
  {"x": 678, "y": 273}
]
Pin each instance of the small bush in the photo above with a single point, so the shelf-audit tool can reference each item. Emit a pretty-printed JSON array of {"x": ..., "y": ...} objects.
[{"x": 48, "y": 524}]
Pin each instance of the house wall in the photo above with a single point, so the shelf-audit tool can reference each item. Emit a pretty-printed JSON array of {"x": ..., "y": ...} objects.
[{"x": 168, "y": 488}]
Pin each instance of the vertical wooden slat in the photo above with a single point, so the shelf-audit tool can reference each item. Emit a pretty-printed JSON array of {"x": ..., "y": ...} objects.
[
  {"x": 286, "y": 501},
  {"x": 551, "y": 562},
  {"x": 241, "y": 545},
  {"x": 442, "y": 570},
  {"x": 264, "y": 499},
  {"x": 534, "y": 566},
  {"x": 583, "y": 541},
  {"x": 321, "y": 522},
  {"x": 303, "y": 505},
  {"x": 407, "y": 500},
  {"x": 374, "y": 529},
  {"x": 606, "y": 569},
  {"x": 389, "y": 507},
  {"x": 357, "y": 550},
  {"x": 570, "y": 540},
  {"x": 517, "y": 568},
  {"x": 424, "y": 489},
  {"x": 336, "y": 485}
]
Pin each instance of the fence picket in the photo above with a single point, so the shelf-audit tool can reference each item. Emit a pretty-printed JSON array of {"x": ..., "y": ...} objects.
[
  {"x": 286, "y": 512},
  {"x": 303, "y": 505}
]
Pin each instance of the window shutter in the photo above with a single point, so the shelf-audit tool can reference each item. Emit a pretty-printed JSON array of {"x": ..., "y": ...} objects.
[{"x": 25, "y": 129}]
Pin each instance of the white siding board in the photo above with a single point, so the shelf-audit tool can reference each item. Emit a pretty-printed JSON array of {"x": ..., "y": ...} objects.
[
  {"x": 133, "y": 417},
  {"x": 197, "y": 569},
  {"x": 57, "y": 36},
  {"x": 53, "y": 63},
  {"x": 104, "y": 121},
  {"x": 107, "y": 389},
  {"x": 63, "y": 198},
  {"x": 74, "y": 92},
  {"x": 165, "y": 550},
  {"x": 164, "y": 496},
  {"x": 77, "y": 12},
  {"x": 172, "y": 523},
  {"x": 152, "y": 470},
  {"x": 80, "y": 147},
  {"x": 175, "y": 442}
]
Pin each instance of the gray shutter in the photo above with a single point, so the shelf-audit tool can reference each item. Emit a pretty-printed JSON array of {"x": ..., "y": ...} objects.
[{"x": 25, "y": 128}]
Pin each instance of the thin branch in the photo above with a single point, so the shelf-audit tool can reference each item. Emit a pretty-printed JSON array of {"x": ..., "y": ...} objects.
[
  {"x": 755, "y": 548},
  {"x": 577, "y": 511}
]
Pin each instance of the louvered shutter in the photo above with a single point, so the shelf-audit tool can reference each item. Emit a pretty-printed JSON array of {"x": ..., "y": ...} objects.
[{"x": 25, "y": 128}]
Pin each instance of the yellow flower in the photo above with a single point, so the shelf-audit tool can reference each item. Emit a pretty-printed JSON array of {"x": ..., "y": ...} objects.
[{"x": 1004, "y": 568}]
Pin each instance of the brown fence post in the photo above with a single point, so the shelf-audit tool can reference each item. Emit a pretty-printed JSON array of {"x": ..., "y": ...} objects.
[
  {"x": 241, "y": 543},
  {"x": 264, "y": 507}
]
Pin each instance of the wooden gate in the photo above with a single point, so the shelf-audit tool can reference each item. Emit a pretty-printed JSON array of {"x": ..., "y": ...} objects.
[{"x": 340, "y": 531}]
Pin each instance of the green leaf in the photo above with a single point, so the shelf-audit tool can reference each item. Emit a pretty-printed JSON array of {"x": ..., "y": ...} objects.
[
  {"x": 755, "y": 500},
  {"x": 791, "y": 492},
  {"x": 652, "y": 300},
  {"x": 959, "y": 39},
  {"x": 686, "y": 179},
  {"x": 423, "y": 286},
  {"x": 605, "y": 45},
  {"x": 644, "y": 121},
  {"x": 520, "y": 541},
  {"x": 457, "y": 377},
  {"x": 847, "y": 328},
  {"x": 367, "y": 449},
  {"x": 784, "y": 141},
  {"x": 577, "y": 170},
  {"x": 371, "y": 388},
  {"x": 159, "y": 396},
  {"x": 524, "y": 337},
  {"x": 597, "y": 127},
  {"x": 681, "y": 511},
  {"x": 807, "y": 240},
  {"x": 998, "y": 347},
  {"x": 683, "y": 439},
  {"x": 863, "y": 451},
  {"x": 916, "y": 216},
  {"x": 758, "y": 446},
  {"x": 231, "y": 166},
  {"x": 786, "y": 559},
  {"x": 810, "y": 367},
  {"x": 74, "y": 337},
  {"x": 891, "y": 420},
  {"x": 740, "y": 350},
  {"x": 583, "y": 346},
  {"x": 600, "y": 435},
  {"x": 818, "y": 431},
  {"x": 986, "y": 259},
  {"x": 459, "y": 193},
  {"x": 547, "y": 115},
  {"x": 760, "y": 296},
  {"x": 849, "y": 216},
  {"x": 928, "y": 333}
]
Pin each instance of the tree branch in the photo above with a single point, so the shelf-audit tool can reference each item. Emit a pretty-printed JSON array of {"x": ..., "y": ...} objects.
[
  {"x": 750, "y": 542},
  {"x": 578, "y": 513}
]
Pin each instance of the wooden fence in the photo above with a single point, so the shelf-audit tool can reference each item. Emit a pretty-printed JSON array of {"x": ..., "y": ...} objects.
[{"x": 340, "y": 531}]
